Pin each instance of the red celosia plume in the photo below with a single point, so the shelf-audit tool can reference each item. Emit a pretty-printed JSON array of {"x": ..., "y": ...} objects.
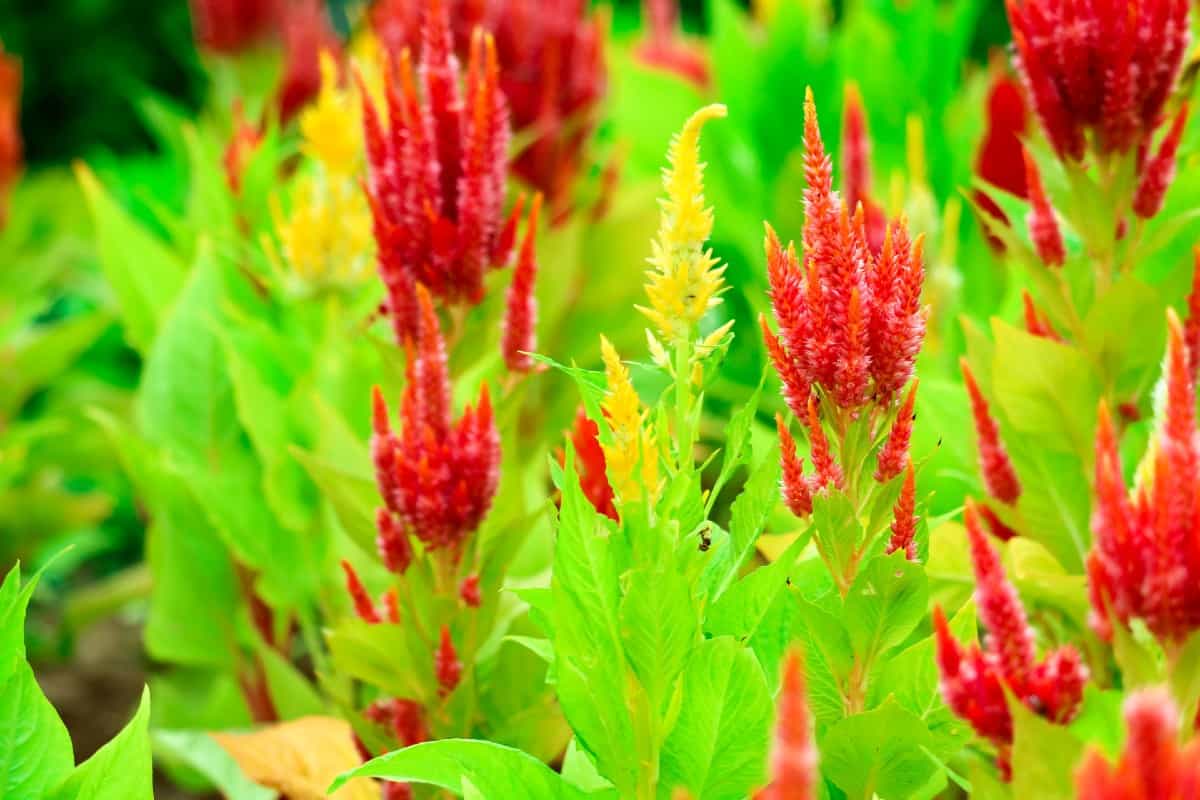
[
  {"x": 1001, "y": 160},
  {"x": 1103, "y": 68},
  {"x": 1159, "y": 171},
  {"x": 1043, "y": 225},
  {"x": 364, "y": 607},
  {"x": 10, "y": 132},
  {"x": 665, "y": 47},
  {"x": 1146, "y": 551},
  {"x": 591, "y": 465},
  {"x": 795, "y": 487},
  {"x": 306, "y": 33},
  {"x": 1152, "y": 764},
  {"x": 229, "y": 26},
  {"x": 904, "y": 520},
  {"x": 519, "y": 335},
  {"x": 972, "y": 678},
  {"x": 849, "y": 321},
  {"x": 1036, "y": 321},
  {"x": 437, "y": 477},
  {"x": 856, "y": 167},
  {"x": 551, "y": 70},
  {"x": 437, "y": 173},
  {"x": 793, "y": 764},
  {"x": 446, "y": 665},
  {"x": 894, "y": 453},
  {"x": 998, "y": 474}
]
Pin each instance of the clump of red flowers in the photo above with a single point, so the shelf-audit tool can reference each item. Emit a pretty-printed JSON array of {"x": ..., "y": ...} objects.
[
  {"x": 10, "y": 132},
  {"x": 437, "y": 477},
  {"x": 793, "y": 765},
  {"x": 1099, "y": 72},
  {"x": 1146, "y": 551},
  {"x": 973, "y": 679},
  {"x": 1152, "y": 764},
  {"x": 437, "y": 174},
  {"x": 551, "y": 69}
]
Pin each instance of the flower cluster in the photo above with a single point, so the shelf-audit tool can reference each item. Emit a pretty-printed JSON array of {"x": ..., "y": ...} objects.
[
  {"x": 850, "y": 322},
  {"x": 1152, "y": 765},
  {"x": 973, "y": 679},
  {"x": 551, "y": 69},
  {"x": 856, "y": 168},
  {"x": 1105, "y": 68},
  {"x": 519, "y": 337},
  {"x": 793, "y": 766},
  {"x": 437, "y": 477},
  {"x": 664, "y": 46},
  {"x": 10, "y": 132},
  {"x": 437, "y": 172},
  {"x": 1146, "y": 553},
  {"x": 631, "y": 455},
  {"x": 229, "y": 26}
]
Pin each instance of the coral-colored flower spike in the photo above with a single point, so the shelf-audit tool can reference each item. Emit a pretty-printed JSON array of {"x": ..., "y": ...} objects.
[
  {"x": 519, "y": 336},
  {"x": 794, "y": 486},
  {"x": 793, "y": 765},
  {"x": 856, "y": 167},
  {"x": 1152, "y": 763},
  {"x": 306, "y": 34},
  {"x": 468, "y": 591},
  {"x": 590, "y": 463},
  {"x": 849, "y": 314},
  {"x": 1001, "y": 160},
  {"x": 1104, "y": 68},
  {"x": 904, "y": 520},
  {"x": 998, "y": 474},
  {"x": 665, "y": 47},
  {"x": 1145, "y": 550},
  {"x": 364, "y": 607},
  {"x": 551, "y": 70},
  {"x": 1036, "y": 321},
  {"x": 828, "y": 471},
  {"x": 446, "y": 665},
  {"x": 894, "y": 453},
  {"x": 1191, "y": 329},
  {"x": 1160, "y": 170},
  {"x": 1043, "y": 225},
  {"x": 972, "y": 678},
  {"x": 437, "y": 172},
  {"x": 437, "y": 477}
]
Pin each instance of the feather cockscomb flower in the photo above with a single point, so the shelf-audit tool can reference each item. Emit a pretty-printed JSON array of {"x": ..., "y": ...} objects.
[
  {"x": 229, "y": 26},
  {"x": 1145, "y": 555},
  {"x": 1152, "y": 763},
  {"x": 630, "y": 455},
  {"x": 307, "y": 34},
  {"x": 1101, "y": 71},
  {"x": 551, "y": 70},
  {"x": 856, "y": 167},
  {"x": 437, "y": 477},
  {"x": 591, "y": 465},
  {"x": 793, "y": 762},
  {"x": 519, "y": 336},
  {"x": 999, "y": 476},
  {"x": 685, "y": 280},
  {"x": 972, "y": 679},
  {"x": 437, "y": 173},
  {"x": 850, "y": 322},
  {"x": 666, "y": 48},
  {"x": 10, "y": 132}
]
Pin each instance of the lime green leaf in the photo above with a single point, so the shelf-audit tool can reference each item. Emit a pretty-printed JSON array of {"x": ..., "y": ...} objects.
[
  {"x": 878, "y": 753},
  {"x": 120, "y": 770},
  {"x": 143, "y": 271},
  {"x": 1043, "y": 757},
  {"x": 659, "y": 629},
  {"x": 494, "y": 770},
  {"x": 353, "y": 497},
  {"x": 748, "y": 516},
  {"x": 198, "y": 751},
  {"x": 40, "y": 354},
  {"x": 718, "y": 747},
  {"x": 886, "y": 602},
  {"x": 1099, "y": 719}
]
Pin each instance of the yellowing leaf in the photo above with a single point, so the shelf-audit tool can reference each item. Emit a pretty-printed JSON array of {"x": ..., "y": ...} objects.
[{"x": 300, "y": 758}]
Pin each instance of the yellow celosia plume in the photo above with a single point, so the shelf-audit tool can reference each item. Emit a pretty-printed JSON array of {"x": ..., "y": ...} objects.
[
  {"x": 631, "y": 457},
  {"x": 330, "y": 126},
  {"x": 684, "y": 281}
]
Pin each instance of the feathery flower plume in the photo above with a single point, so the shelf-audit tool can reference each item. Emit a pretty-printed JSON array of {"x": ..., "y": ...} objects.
[
  {"x": 1104, "y": 68},
  {"x": 468, "y": 591},
  {"x": 794, "y": 486},
  {"x": 437, "y": 477},
  {"x": 998, "y": 474},
  {"x": 10, "y": 131},
  {"x": 404, "y": 719},
  {"x": 1043, "y": 225},
  {"x": 330, "y": 127},
  {"x": 436, "y": 173},
  {"x": 971, "y": 678},
  {"x": 1158, "y": 173},
  {"x": 995, "y": 524},
  {"x": 551, "y": 70},
  {"x": 364, "y": 606},
  {"x": 631, "y": 457},
  {"x": 849, "y": 320},
  {"x": 665, "y": 47},
  {"x": 829, "y": 472},
  {"x": 590, "y": 463},
  {"x": 1036, "y": 321},
  {"x": 230, "y": 26},
  {"x": 904, "y": 519},
  {"x": 306, "y": 35},
  {"x": 856, "y": 167},
  {"x": 519, "y": 335},
  {"x": 1145, "y": 551},
  {"x": 685, "y": 281},
  {"x": 1001, "y": 160},
  {"x": 1152, "y": 764},
  {"x": 446, "y": 665},
  {"x": 242, "y": 143},
  {"x": 894, "y": 453},
  {"x": 793, "y": 765}
]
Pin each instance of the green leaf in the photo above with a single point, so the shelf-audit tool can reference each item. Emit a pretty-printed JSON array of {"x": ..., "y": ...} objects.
[
  {"x": 353, "y": 497},
  {"x": 120, "y": 770},
  {"x": 742, "y": 610},
  {"x": 293, "y": 695},
  {"x": 885, "y": 604},
  {"x": 1099, "y": 719},
  {"x": 142, "y": 271},
  {"x": 748, "y": 516},
  {"x": 837, "y": 529},
  {"x": 197, "y": 750},
  {"x": 718, "y": 747},
  {"x": 35, "y": 749},
  {"x": 658, "y": 628},
  {"x": 878, "y": 753},
  {"x": 1044, "y": 756},
  {"x": 493, "y": 770},
  {"x": 40, "y": 354}
]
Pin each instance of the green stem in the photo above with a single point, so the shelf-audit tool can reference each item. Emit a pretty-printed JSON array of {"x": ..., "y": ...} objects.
[
  {"x": 683, "y": 433},
  {"x": 106, "y": 597}
]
